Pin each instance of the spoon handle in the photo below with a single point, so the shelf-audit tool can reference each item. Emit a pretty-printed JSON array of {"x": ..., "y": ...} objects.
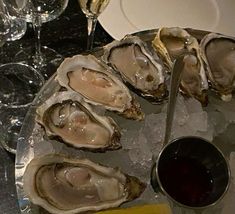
[{"x": 174, "y": 88}]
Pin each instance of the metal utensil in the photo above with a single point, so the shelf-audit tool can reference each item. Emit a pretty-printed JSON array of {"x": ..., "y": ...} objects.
[
  {"x": 174, "y": 88},
  {"x": 190, "y": 149}
]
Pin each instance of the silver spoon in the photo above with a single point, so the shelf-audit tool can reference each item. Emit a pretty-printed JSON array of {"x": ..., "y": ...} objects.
[
  {"x": 186, "y": 147},
  {"x": 174, "y": 89}
]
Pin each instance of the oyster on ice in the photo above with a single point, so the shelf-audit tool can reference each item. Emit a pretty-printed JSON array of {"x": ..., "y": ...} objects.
[
  {"x": 144, "y": 72},
  {"x": 172, "y": 42},
  {"x": 65, "y": 116},
  {"x": 95, "y": 81},
  {"x": 218, "y": 52},
  {"x": 68, "y": 186}
]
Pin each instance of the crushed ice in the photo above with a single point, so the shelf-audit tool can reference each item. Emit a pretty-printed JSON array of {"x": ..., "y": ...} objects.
[
  {"x": 143, "y": 142},
  {"x": 190, "y": 119}
]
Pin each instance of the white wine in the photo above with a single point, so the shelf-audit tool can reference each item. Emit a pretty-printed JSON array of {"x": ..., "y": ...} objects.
[{"x": 93, "y": 7}]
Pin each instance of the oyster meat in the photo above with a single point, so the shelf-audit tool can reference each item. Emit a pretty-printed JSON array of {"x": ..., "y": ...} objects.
[
  {"x": 67, "y": 117},
  {"x": 218, "y": 52},
  {"x": 66, "y": 186},
  {"x": 131, "y": 58},
  {"x": 95, "y": 81},
  {"x": 170, "y": 43}
]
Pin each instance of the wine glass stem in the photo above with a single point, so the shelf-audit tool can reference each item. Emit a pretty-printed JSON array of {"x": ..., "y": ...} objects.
[
  {"x": 91, "y": 25},
  {"x": 37, "y": 23}
]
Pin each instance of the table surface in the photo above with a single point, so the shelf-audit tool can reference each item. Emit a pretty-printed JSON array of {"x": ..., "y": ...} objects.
[{"x": 66, "y": 35}]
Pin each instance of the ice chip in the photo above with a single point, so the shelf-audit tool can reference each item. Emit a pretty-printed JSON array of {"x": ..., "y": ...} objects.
[
  {"x": 127, "y": 139},
  {"x": 226, "y": 108},
  {"x": 181, "y": 113},
  {"x": 193, "y": 105},
  {"x": 218, "y": 121},
  {"x": 134, "y": 155},
  {"x": 181, "y": 131},
  {"x": 207, "y": 135},
  {"x": 154, "y": 127},
  {"x": 198, "y": 121}
]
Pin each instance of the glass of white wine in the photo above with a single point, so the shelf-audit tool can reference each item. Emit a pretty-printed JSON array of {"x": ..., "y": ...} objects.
[{"x": 92, "y": 9}]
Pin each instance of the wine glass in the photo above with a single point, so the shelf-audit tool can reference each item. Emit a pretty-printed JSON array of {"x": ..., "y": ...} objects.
[
  {"x": 17, "y": 25},
  {"x": 18, "y": 85},
  {"x": 38, "y": 12},
  {"x": 92, "y": 9},
  {"x": 4, "y": 25}
]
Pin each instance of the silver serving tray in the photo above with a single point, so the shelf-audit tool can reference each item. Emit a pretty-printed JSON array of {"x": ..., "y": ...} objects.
[{"x": 31, "y": 144}]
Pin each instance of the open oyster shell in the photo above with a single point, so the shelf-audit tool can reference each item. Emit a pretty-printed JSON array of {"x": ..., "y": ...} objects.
[
  {"x": 172, "y": 42},
  {"x": 94, "y": 80},
  {"x": 131, "y": 58},
  {"x": 67, "y": 117},
  {"x": 218, "y": 52},
  {"x": 66, "y": 186}
]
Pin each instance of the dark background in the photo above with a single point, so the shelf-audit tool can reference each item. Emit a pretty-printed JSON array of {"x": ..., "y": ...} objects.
[{"x": 67, "y": 35}]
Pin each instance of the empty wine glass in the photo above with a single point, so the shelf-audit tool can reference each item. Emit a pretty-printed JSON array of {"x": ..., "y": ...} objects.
[
  {"x": 18, "y": 85},
  {"x": 92, "y": 9},
  {"x": 38, "y": 12},
  {"x": 4, "y": 25},
  {"x": 17, "y": 25}
]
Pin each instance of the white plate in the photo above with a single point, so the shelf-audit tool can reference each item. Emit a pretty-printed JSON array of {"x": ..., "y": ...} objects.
[{"x": 123, "y": 17}]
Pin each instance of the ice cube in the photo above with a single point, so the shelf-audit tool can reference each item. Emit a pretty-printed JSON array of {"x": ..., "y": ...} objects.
[
  {"x": 127, "y": 139},
  {"x": 208, "y": 135},
  {"x": 181, "y": 113},
  {"x": 218, "y": 121},
  {"x": 154, "y": 127},
  {"x": 198, "y": 121},
  {"x": 134, "y": 154},
  {"x": 193, "y": 105},
  {"x": 141, "y": 154},
  {"x": 180, "y": 131},
  {"x": 146, "y": 153},
  {"x": 227, "y": 108}
]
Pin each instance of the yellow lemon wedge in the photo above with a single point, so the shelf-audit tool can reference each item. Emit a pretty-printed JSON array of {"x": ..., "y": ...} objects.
[{"x": 143, "y": 209}]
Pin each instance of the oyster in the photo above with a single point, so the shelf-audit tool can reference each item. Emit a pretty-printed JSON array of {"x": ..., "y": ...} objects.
[
  {"x": 170, "y": 43},
  {"x": 67, "y": 117},
  {"x": 95, "y": 82},
  {"x": 66, "y": 186},
  {"x": 131, "y": 58},
  {"x": 218, "y": 52}
]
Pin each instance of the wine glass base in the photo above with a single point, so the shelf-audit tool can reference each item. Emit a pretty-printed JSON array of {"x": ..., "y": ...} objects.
[
  {"x": 11, "y": 121},
  {"x": 19, "y": 84},
  {"x": 46, "y": 64}
]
